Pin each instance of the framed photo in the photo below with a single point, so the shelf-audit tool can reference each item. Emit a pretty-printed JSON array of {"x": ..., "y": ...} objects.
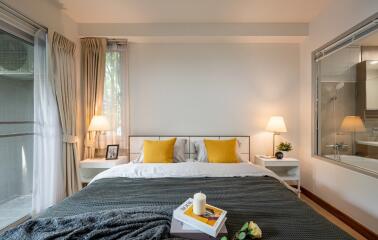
[{"x": 112, "y": 152}]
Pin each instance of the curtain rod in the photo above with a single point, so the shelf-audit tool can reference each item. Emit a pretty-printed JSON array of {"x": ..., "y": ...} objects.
[
  {"x": 111, "y": 40},
  {"x": 20, "y": 16},
  {"x": 349, "y": 39},
  {"x": 114, "y": 40}
]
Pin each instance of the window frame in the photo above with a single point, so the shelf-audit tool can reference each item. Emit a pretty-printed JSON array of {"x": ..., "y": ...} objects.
[{"x": 315, "y": 65}]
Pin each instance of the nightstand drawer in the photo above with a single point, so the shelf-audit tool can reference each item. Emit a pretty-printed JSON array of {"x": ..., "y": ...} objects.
[
  {"x": 101, "y": 163},
  {"x": 279, "y": 163}
]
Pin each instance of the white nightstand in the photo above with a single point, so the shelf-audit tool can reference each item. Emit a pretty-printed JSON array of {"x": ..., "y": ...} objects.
[
  {"x": 286, "y": 168},
  {"x": 89, "y": 168}
]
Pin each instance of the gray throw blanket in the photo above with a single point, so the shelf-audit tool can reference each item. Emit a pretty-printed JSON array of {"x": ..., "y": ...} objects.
[
  {"x": 278, "y": 212},
  {"x": 133, "y": 224}
]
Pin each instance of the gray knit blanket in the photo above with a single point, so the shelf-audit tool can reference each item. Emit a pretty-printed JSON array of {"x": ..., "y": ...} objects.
[
  {"x": 264, "y": 200},
  {"x": 132, "y": 224}
]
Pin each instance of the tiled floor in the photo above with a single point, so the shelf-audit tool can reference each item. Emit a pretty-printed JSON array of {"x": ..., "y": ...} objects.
[{"x": 14, "y": 210}]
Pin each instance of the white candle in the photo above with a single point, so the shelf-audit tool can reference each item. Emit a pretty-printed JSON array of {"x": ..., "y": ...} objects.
[{"x": 199, "y": 203}]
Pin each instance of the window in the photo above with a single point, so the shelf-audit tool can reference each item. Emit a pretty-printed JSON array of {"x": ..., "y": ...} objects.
[
  {"x": 112, "y": 90},
  {"x": 115, "y": 100},
  {"x": 347, "y": 102},
  {"x": 16, "y": 132}
]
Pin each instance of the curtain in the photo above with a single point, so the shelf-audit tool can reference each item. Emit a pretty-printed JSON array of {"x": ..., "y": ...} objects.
[
  {"x": 93, "y": 74},
  {"x": 116, "y": 97},
  {"x": 64, "y": 84},
  {"x": 47, "y": 165}
]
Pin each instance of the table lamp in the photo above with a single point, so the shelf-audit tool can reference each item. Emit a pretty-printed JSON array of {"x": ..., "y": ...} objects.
[
  {"x": 99, "y": 123},
  {"x": 276, "y": 125},
  {"x": 352, "y": 124}
]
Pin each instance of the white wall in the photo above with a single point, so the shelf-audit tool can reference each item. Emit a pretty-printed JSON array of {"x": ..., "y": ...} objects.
[
  {"x": 214, "y": 89},
  {"x": 353, "y": 193}
]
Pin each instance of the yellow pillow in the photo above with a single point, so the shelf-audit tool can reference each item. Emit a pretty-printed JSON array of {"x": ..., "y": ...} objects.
[
  {"x": 158, "y": 151},
  {"x": 221, "y": 151}
]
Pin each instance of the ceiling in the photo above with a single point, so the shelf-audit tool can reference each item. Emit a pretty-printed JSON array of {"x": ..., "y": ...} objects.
[{"x": 192, "y": 11}]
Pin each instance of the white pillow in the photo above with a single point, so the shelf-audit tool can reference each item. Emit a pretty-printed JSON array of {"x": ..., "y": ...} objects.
[
  {"x": 200, "y": 148},
  {"x": 178, "y": 152}
]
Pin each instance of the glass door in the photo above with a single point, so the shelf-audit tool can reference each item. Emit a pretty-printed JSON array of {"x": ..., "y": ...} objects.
[{"x": 16, "y": 128}]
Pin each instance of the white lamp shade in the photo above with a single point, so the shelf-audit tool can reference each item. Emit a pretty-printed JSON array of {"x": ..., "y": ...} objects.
[
  {"x": 352, "y": 124},
  {"x": 99, "y": 123},
  {"x": 276, "y": 124}
]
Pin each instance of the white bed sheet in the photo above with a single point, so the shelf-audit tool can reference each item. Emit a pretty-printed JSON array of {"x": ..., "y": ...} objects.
[{"x": 184, "y": 170}]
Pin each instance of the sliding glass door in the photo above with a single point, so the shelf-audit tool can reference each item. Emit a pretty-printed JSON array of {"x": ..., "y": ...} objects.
[{"x": 16, "y": 128}]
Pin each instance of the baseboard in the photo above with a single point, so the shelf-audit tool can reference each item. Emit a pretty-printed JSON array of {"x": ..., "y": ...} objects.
[
  {"x": 16, "y": 223},
  {"x": 358, "y": 227}
]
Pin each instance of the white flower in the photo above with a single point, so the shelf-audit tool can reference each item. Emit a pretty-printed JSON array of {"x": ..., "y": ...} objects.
[{"x": 255, "y": 230}]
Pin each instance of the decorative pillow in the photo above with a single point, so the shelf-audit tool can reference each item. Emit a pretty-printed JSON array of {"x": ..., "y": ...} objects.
[
  {"x": 178, "y": 155},
  {"x": 200, "y": 148},
  {"x": 222, "y": 151},
  {"x": 158, "y": 151}
]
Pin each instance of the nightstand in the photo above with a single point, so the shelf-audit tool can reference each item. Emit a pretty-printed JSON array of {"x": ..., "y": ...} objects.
[
  {"x": 89, "y": 168},
  {"x": 286, "y": 168}
]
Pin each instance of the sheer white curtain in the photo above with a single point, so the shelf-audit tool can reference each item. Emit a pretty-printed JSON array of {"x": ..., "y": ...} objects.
[
  {"x": 47, "y": 158},
  {"x": 116, "y": 96}
]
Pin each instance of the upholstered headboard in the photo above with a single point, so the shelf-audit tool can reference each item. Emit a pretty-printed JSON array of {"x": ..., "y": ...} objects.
[{"x": 136, "y": 143}]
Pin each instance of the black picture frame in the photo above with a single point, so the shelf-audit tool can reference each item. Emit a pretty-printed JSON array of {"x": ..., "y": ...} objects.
[{"x": 110, "y": 154}]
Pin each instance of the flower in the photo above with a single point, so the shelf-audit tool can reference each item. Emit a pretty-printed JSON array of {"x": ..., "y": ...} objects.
[{"x": 254, "y": 230}]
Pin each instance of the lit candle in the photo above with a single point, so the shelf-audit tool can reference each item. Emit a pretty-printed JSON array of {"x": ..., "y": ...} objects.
[{"x": 199, "y": 203}]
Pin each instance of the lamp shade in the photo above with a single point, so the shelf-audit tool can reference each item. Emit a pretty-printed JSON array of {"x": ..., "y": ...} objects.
[
  {"x": 276, "y": 124},
  {"x": 99, "y": 123},
  {"x": 352, "y": 124}
]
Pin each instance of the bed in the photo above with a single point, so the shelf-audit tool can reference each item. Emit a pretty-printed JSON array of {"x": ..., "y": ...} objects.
[{"x": 246, "y": 191}]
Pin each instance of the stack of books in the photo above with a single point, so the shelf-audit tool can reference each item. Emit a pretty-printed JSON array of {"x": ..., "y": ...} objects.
[{"x": 209, "y": 226}]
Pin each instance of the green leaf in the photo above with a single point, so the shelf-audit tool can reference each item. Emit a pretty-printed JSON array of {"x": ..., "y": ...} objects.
[
  {"x": 224, "y": 238},
  {"x": 245, "y": 227},
  {"x": 242, "y": 235}
]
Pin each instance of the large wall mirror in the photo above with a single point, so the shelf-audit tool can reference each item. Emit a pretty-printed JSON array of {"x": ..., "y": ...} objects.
[{"x": 346, "y": 99}]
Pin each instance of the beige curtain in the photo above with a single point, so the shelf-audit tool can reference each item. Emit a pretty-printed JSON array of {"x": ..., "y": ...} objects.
[
  {"x": 64, "y": 85},
  {"x": 93, "y": 54}
]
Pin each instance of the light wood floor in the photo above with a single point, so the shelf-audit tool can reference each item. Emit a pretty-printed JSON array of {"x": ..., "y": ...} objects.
[{"x": 332, "y": 218}]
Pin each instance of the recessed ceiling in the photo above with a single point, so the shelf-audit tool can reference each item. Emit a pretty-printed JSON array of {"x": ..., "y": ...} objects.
[{"x": 192, "y": 11}]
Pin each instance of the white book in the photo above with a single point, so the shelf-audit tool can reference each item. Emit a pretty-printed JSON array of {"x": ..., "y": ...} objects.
[{"x": 210, "y": 223}]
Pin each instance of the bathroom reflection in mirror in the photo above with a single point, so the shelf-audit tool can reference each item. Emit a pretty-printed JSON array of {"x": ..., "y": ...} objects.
[{"x": 347, "y": 106}]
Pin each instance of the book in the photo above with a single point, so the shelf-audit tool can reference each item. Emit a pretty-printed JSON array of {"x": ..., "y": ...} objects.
[
  {"x": 182, "y": 230},
  {"x": 210, "y": 223}
]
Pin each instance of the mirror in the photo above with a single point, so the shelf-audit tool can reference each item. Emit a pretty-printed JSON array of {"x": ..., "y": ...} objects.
[{"x": 347, "y": 104}]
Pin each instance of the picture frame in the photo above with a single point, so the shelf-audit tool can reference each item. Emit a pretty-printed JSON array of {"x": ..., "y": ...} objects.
[{"x": 112, "y": 152}]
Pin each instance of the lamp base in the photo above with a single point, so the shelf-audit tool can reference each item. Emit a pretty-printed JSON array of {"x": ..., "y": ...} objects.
[{"x": 274, "y": 143}]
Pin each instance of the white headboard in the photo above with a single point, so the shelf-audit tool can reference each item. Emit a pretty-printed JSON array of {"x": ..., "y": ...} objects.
[{"x": 136, "y": 143}]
